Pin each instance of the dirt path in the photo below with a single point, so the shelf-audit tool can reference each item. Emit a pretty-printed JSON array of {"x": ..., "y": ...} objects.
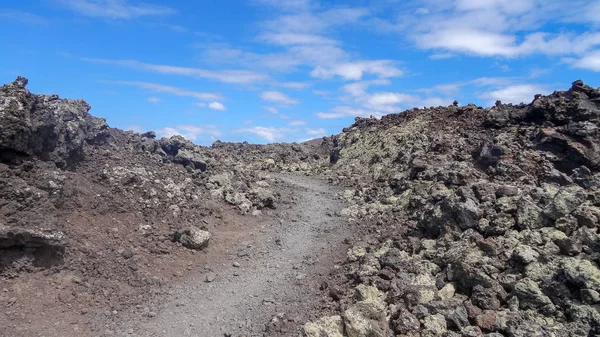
[{"x": 270, "y": 285}]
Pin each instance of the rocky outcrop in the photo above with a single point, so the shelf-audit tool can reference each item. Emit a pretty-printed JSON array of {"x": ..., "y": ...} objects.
[
  {"x": 47, "y": 127},
  {"x": 488, "y": 218}
]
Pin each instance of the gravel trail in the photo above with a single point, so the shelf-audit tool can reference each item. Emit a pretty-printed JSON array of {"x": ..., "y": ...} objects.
[{"x": 274, "y": 281}]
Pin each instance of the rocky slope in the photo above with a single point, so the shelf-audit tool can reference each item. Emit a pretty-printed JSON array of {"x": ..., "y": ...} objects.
[
  {"x": 484, "y": 221},
  {"x": 95, "y": 217},
  {"x": 473, "y": 221}
]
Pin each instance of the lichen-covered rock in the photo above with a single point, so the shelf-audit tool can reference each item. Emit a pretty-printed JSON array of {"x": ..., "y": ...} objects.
[
  {"x": 193, "y": 238},
  {"x": 331, "y": 326},
  {"x": 566, "y": 201},
  {"x": 365, "y": 320},
  {"x": 371, "y": 295},
  {"x": 582, "y": 273},
  {"x": 434, "y": 325},
  {"x": 261, "y": 197},
  {"x": 530, "y": 295}
]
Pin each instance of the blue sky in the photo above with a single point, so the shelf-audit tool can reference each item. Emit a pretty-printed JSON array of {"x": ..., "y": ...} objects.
[{"x": 292, "y": 70}]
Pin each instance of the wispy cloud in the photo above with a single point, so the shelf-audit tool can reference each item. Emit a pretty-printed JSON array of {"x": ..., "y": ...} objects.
[
  {"x": 174, "y": 28},
  {"x": 191, "y": 132},
  {"x": 226, "y": 76},
  {"x": 510, "y": 28},
  {"x": 347, "y": 111},
  {"x": 272, "y": 110},
  {"x": 522, "y": 93},
  {"x": 297, "y": 122},
  {"x": 316, "y": 132},
  {"x": 295, "y": 85},
  {"x": 203, "y": 96},
  {"x": 356, "y": 70},
  {"x": 115, "y": 9},
  {"x": 589, "y": 61},
  {"x": 269, "y": 133},
  {"x": 277, "y": 97},
  {"x": 154, "y": 99},
  {"x": 23, "y": 17},
  {"x": 217, "y": 106}
]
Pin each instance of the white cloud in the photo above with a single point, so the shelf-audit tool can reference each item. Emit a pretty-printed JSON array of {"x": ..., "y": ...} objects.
[
  {"x": 272, "y": 110},
  {"x": 217, "y": 106},
  {"x": 356, "y": 70},
  {"x": 520, "y": 93},
  {"x": 226, "y": 76},
  {"x": 115, "y": 9},
  {"x": 277, "y": 97},
  {"x": 154, "y": 99},
  {"x": 287, "y": 39},
  {"x": 321, "y": 92},
  {"x": 203, "y": 96},
  {"x": 297, "y": 122},
  {"x": 191, "y": 132},
  {"x": 269, "y": 133},
  {"x": 295, "y": 85},
  {"x": 441, "y": 56},
  {"x": 347, "y": 111},
  {"x": 359, "y": 88},
  {"x": 507, "y": 28},
  {"x": 590, "y": 61},
  {"x": 316, "y": 132}
]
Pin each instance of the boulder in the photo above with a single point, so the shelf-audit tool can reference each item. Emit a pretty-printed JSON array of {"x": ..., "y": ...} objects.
[
  {"x": 331, "y": 326},
  {"x": 565, "y": 201},
  {"x": 46, "y": 127},
  {"x": 193, "y": 238},
  {"x": 364, "y": 319}
]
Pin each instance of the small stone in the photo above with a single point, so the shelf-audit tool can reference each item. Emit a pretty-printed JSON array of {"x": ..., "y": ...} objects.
[
  {"x": 472, "y": 310},
  {"x": 434, "y": 325},
  {"x": 589, "y": 296},
  {"x": 486, "y": 320},
  {"x": 471, "y": 331},
  {"x": 236, "y": 264},
  {"x": 420, "y": 311},
  {"x": 327, "y": 326},
  {"x": 386, "y": 274},
  {"x": 405, "y": 323},
  {"x": 507, "y": 191},
  {"x": 530, "y": 295},
  {"x": 210, "y": 277},
  {"x": 127, "y": 253},
  {"x": 335, "y": 293},
  {"x": 447, "y": 292},
  {"x": 12, "y": 301},
  {"x": 525, "y": 254},
  {"x": 151, "y": 314},
  {"x": 193, "y": 238},
  {"x": 569, "y": 246}
]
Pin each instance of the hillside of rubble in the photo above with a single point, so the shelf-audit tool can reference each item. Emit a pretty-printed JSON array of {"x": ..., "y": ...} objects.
[
  {"x": 484, "y": 221},
  {"x": 443, "y": 221},
  {"x": 94, "y": 219}
]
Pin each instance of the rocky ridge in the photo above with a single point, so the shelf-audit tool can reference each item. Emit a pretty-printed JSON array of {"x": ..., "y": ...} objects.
[{"x": 484, "y": 222}]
